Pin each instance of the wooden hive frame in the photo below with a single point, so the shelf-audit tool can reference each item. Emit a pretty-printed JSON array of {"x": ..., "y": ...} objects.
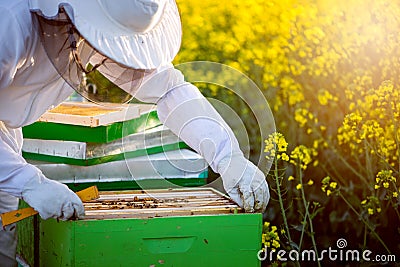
[{"x": 159, "y": 203}]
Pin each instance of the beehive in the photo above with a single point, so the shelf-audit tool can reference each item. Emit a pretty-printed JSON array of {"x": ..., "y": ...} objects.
[
  {"x": 175, "y": 227},
  {"x": 163, "y": 170},
  {"x": 156, "y": 140},
  {"x": 86, "y": 122}
]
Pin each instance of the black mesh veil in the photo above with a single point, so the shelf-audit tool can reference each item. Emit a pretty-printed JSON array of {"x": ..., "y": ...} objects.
[{"x": 94, "y": 76}]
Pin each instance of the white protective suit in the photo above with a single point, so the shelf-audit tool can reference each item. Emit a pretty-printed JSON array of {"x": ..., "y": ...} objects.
[{"x": 29, "y": 86}]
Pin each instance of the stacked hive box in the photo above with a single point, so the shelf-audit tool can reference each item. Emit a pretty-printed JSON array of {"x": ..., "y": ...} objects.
[{"x": 113, "y": 147}]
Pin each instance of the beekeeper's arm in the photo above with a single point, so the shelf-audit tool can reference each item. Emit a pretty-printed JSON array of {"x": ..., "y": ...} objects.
[
  {"x": 184, "y": 110},
  {"x": 17, "y": 177},
  {"x": 23, "y": 180}
]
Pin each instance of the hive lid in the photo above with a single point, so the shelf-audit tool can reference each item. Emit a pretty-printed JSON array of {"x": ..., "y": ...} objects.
[
  {"x": 87, "y": 122},
  {"x": 159, "y": 203},
  {"x": 93, "y": 115}
]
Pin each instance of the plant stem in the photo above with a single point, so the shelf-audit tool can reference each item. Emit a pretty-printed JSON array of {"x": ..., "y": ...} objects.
[
  {"x": 343, "y": 160},
  {"x": 396, "y": 138},
  {"x": 278, "y": 188},
  {"x": 304, "y": 222},
  {"x": 365, "y": 222},
  {"x": 368, "y": 162},
  {"x": 307, "y": 215},
  {"x": 365, "y": 237},
  {"x": 395, "y": 207}
]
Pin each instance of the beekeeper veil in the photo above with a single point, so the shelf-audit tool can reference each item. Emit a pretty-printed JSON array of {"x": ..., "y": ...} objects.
[{"x": 103, "y": 48}]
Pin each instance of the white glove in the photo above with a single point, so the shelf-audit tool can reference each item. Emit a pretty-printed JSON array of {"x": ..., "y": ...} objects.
[
  {"x": 52, "y": 199},
  {"x": 184, "y": 110},
  {"x": 244, "y": 183}
]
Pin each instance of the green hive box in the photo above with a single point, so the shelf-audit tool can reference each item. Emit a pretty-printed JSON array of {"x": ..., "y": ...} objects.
[
  {"x": 180, "y": 227},
  {"x": 75, "y": 123},
  {"x": 156, "y": 140}
]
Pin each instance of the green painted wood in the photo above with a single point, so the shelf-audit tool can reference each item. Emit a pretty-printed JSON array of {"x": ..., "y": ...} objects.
[
  {"x": 26, "y": 237},
  {"x": 110, "y": 158},
  {"x": 196, "y": 241},
  {"x": 144, "y": 184},
  {"x": 100, "y": 134}
]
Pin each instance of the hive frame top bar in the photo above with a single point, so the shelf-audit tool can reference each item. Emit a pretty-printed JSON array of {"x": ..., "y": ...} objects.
[
  {"x": 159, "y": 203},
  {"x": 169, "y": 191}
]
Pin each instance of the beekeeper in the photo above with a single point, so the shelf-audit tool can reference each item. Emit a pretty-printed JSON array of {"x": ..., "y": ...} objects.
[{"x": 48, "y": 48}]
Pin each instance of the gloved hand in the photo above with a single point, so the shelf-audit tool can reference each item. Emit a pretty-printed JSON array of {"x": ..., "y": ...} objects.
[
  {"x": 244, "y": 183},
  {"x": 52, "y": 199}
]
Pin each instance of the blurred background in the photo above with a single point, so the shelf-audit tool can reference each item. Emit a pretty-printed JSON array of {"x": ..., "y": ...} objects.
[{"x": 330, "y": 73}]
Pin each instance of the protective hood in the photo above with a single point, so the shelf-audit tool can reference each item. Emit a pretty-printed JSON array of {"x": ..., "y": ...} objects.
[
  {"x": 141, "y": 34},
  {"x": 92, "y": 74}
]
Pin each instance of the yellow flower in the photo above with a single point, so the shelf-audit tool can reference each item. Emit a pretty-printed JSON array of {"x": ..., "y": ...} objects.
[
  {"x": 315, "y": 144},
  {"x": 328, "y": 192},
  {"x": 290, "y": 178},
  {"x": 377, "y": 187},
  {"x": 274, "y": 145},
  {"x": 285, "y": 157},
  {"x": 370, "y": 211},
  {"x": 302, "y": 155},
  {"x": 298, "y": 187},
  {"x": 395, "y": 194},
  {"x": 282, "y": 144},
  {"x": 333, "y": 185},
  {"x": 310, "y": 182},
  {"x": 386, "y": 185},
  {"x": 363, "y": 202},
  {"x": 300, "y": 116},
  {"x": 324, "y": 97}
]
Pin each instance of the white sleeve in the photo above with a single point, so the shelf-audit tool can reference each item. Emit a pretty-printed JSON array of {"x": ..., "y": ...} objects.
[
  {"x": 14, "y": 42},
  {"x": 159, "y": 82},
  {"x": 187, "y": 113},
  {"x": 15, "y": 172}
]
